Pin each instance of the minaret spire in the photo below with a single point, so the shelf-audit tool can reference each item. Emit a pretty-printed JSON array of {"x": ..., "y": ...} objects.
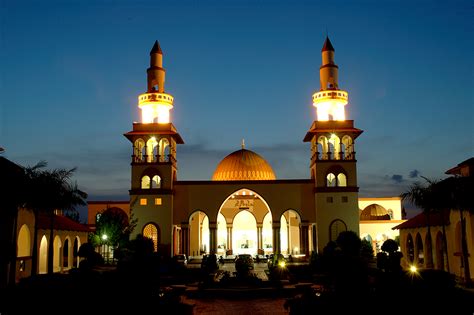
[{"x": 243, "y": 144}]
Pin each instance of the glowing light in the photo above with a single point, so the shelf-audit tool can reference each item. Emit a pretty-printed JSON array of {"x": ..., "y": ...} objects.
[
  {"x": 155, "y": 107},
  {"x": 282, "y": 264},
  {"x": 104, "y": 237},
  {"x": 413, "y": 269},
  {"x": 330, "y": 104}
]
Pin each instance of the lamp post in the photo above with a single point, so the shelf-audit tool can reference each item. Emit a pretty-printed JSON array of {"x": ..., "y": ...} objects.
[{"x": 104, "y": 243}]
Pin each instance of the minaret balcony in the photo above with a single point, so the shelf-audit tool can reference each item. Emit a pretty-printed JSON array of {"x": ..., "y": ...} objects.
[
  {"x": 338, "y": 96},
  {"x": 163, "y": 99},
  {"x": 155, "y": 159},
  {"x": 330, "y": 156}
]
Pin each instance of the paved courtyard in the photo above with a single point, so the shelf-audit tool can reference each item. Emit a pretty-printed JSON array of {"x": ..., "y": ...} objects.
[{"x": 223, "y": 306}]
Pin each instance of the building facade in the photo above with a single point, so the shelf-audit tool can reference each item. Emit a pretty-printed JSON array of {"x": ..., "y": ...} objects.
[{"x": 244, "y": 208}]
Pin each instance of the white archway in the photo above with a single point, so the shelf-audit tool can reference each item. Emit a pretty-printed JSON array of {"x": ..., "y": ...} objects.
[
  {"x": 290, "y": 232},
  {"x": 24, "y": 242},
  {"x": 57, "y": 254},
  {"x": 198, "y": 233},
  {"x": 245, "y": 234},
  {"x": 43, "y": 255}
]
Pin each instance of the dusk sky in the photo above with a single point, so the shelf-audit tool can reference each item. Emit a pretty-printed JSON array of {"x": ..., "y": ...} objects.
[{"x": 71, "y": 72}]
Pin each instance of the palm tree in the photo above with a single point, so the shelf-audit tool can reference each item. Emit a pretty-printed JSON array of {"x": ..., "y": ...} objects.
[
  {"x": 424, "y": 197},
  {"x": 61, "y": 195},
  {"x": 48, "y": 191}
]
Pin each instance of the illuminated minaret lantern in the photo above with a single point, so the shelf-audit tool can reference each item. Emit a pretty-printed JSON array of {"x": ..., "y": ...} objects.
[
  {"x": 333, "y": 164},
  {"x": 154, "y": 163}
]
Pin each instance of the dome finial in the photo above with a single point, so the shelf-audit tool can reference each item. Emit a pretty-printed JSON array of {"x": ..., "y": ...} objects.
[{"x": 243, "y": 144}]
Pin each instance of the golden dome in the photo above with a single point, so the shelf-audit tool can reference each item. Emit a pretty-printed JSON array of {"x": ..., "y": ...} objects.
[
  {"x": 374, "y": 212},
  {"x": 243, "y": 165}
]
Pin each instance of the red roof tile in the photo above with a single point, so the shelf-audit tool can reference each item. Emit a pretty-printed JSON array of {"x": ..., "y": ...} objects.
[
  {"x": 61, "y": 223},
  {"x": 421, "y": 220}
]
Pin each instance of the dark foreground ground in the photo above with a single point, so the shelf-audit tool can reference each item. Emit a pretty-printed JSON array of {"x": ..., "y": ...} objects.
[{"x": 192, "y": 291}]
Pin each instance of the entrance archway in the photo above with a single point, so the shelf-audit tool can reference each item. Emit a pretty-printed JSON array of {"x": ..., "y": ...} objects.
[
  {"x": 248, "y": 222},
  {"x": 290, "y": 232},
  {"x": 43, "y": 255},
  {"x": 244, "y": 238},
  {"x": 198, "y": 233}
]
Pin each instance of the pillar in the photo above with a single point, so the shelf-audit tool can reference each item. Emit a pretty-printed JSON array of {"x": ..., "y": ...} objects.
[
  {"x": 229, "y": 237},
  {"x": 276, "y": 237},
  {"x": 212, "y": 237},
  {"x": 304, "y": 238},
  {"x": 185, "y": 238},
  {"x": 259, "y": 238}
]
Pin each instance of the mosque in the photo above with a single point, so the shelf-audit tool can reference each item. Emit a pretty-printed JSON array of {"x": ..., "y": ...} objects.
[{"x": 245, "y": 208}]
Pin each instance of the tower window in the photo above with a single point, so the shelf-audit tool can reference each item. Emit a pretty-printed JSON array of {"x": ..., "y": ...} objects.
[
  {"x": 145, "y": 182},
  {"x": 156, "y": 182},
  {"x": 158, "y": 201},
  {"x": 341, "y": 180},
  {"x": 329, "y": 199},
  {"x": 331, "y": 180},
  {"x": 143, "y": 202},
  {"x": 344, "y": 199}
]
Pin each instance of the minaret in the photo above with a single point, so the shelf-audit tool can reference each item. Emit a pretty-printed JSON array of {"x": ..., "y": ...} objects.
[
  {"x": 155, "y": 103},
  {"x": 333, "y": 164},
  {"x": 154, "y": 163}
]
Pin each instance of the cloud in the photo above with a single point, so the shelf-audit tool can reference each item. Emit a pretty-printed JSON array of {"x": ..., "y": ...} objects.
[
  {"x": 397, "y": 178},
  {"x": 414, "y": 174}
]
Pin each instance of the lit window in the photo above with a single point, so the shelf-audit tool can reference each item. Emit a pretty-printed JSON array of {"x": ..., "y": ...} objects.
[
  {"x": 331, "y": 180},
  {"x": 150, "y": 231},
  {"x": 158, "y": 201},
  {"x": 341, "y": 180},
  {"x": 143, "y": 202},
  {"x": 156, "y": 182},
  {"x": 145, "y": 182}
]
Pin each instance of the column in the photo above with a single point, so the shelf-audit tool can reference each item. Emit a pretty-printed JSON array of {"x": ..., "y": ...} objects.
[
  {"x": 212, "y": 237},
  {"x": 276, "y": 237},
  {"x": 259, "y": 237},
  {"x": 185, "y": 239},
  {"x": 304, "y": 239},
  {"x": 229, "y": 237}
]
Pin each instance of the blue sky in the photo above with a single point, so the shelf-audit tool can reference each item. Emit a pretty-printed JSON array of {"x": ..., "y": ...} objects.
[{"x": 71, "y": 72}]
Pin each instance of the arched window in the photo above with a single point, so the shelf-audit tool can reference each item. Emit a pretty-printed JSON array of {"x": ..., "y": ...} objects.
[
  {"x": 164, "y": 150},
  {"x": 337, "y": 226},
  {"x": 139, "y": 150},
  {"x": 348, "y": 148},
  {"x": 323, "y": 147},
  {"x": 24, "y": 242},
  {"x": 151, "y": 231},
  {"x": 331, "y": 180},
  {"x": 341, "y": 180},
  {"x": 151, "y": 149},
  {"x": 145, "y": 182},
  {"x": 156, "y": 182}
]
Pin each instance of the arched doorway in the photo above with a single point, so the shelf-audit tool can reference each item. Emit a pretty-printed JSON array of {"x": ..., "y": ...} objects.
[
  {"x": 43, "y": 255},
  {"x": 244, "y": 237},
  {"x": 290, "y": 232},
  {"x": 24, "y": 247},
  {"x": 75, "y": 259},
  {"x": 248, "y": 223},
  {"x": 66, "y": 253},
  {"x": 221, "y": 235},
  {"x": 420, "y": 255},
  {"x": 198, "y": 233},
  {"x": 57, "y": 254},
  {"x": 150, "y": 231}
]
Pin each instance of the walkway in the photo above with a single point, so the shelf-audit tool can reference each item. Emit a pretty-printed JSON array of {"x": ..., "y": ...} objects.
[{"x": 239, "y": 307}]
